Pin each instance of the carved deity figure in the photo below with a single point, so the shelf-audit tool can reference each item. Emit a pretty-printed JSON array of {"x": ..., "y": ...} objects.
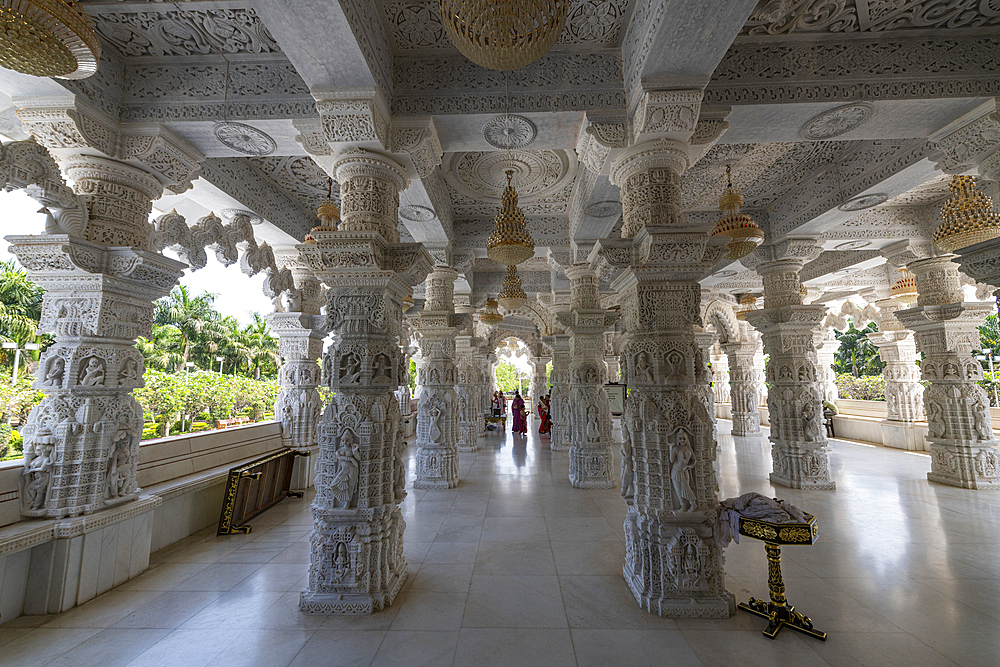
[
  {"x": 129, "y": 372},
  {"x": 341, "y": 562},
  {"x": 644, "y": 367},
  {"x": 681, "y": 466},
  {"x": 93, "y": 374},
  {"x": 983, "y": 427},
  {"x": 345, "y": 481},
  {"x": 55, "y": 372},
  {"x": 383, "y": 371},
  {"x": 810, "y": 421},
  {"x": 935, "y": 425},
  {"x": 286, "y": 419},
  {"x": 119, "y": 463},
  {"x": 592, "y": 376},
  {"x": 593, "y": 425},
  {"x": 628, "y": 475},
  {"x": 435, "y": 428},
  {"x": 350, "y": 368}
]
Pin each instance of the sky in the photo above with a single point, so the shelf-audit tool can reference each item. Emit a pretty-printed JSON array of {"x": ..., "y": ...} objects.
[{"x": 238, "y": 294}]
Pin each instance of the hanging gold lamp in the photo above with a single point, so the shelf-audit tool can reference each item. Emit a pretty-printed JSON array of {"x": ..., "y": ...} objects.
[
  {"x": 510, "y": 242},
  {"x": 512, "y": 295},
  {"x": 904, "y": 289},
  {"x": 329, "y": 215},
  {"x": 968, "y": 217},
  {"x": 745, "y": 233},
  {"x": 491, "y": 316},
  {"x": 748, "y": 303},
  {"x": 503, "y": 34},
  {"x": 47, "y": 38}
]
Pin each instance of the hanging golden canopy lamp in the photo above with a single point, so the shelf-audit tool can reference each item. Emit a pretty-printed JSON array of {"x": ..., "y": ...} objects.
[
  {"x": 748, "y": 303},
  {"x": 510, "y": 242},
  {"x": 490, "y": 315},
  {"x": 47, "y": 38},
  {"x": 904, "y": 289},
  {"x": 503, "y": 34},
  {"x": 745, "y": 233},
  {"x": 329, "y": 215},
  {"x": 512, "y": 295},
  {"x": 968, "y": 217}
]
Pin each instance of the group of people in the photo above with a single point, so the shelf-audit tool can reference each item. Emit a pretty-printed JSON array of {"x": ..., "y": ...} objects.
[{"x": 520, "y": 413}]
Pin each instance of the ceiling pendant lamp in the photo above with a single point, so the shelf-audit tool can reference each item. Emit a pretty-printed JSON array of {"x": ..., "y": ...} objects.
[
  {"x": 47, "y": 38},
  {"x": 968, "y": 217},
  {"x": 329, "y": 215},
  {"x": 904, "y": 290},
  {"x": 745, "y": 233},
  {"x": 748, "y": 303},
  {"x": 510, "y": 242},
  {"x": 512, "y": 295},
  {"x": 503, "y": 34},
  {"x": 491, "y": 316}
]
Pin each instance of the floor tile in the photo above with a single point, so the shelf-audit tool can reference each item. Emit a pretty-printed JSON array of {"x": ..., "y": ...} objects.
[
  {"x": 502, "y": 647},
  {"x": 416, "y": 649}
]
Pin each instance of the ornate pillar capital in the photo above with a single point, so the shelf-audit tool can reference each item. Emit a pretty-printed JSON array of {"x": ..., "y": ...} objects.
[
  {"x": 353, "y": 116},
  {"x": 370, "y": 184},
  {"x": 667, "y": 114},
  {"x": 418, "y": 138}
]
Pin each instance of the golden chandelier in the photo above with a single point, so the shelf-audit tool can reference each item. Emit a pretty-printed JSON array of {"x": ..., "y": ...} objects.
[
  {"x": 510, "y": 242},
  {"x": 904, "y": 290},
  {"x": 968, "y": 217},
  {"x": 329, "y": 215},
  {"x": 512, "y": 295},
  {"x": 491, "y": 315},
  {"x": 745, "y": 233},
  {"x": 503, "y": 34},
  {"x": 47, "y": 38},
  {"x": 748, "y": 304}
]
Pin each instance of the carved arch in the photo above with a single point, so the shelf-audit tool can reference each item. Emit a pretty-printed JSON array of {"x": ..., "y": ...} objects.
[
  {"x": 538, "y": 315},
  {"x": 721, "y": 315},
  {"x": 28, "y": 166}
]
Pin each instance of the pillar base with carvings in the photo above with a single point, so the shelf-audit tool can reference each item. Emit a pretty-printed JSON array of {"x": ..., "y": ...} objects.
[
  {"x": 673, "y": 565},
  {"x": 357, "y": 561},
  {"x": 801, "y": 466},
  {"x": 437, "y": 468},
  {"x": 591, "y": 467},
  {"x": 746, "y": 424}
]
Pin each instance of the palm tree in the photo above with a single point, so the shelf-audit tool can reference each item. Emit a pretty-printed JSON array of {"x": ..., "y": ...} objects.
[
  {"x": 20, "y": 307},
  {"x": 260, "y": 346},
  {"x": 159, "y": 352},
  {"x": 193, "y": 318},
  {"x": 857, "y": 355}
]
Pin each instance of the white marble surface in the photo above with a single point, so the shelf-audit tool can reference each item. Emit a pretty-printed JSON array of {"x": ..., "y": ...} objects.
[{"x": 514, "y": 567}]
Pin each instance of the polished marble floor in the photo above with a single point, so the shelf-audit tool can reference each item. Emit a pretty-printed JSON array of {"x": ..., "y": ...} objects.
[{"x": 514, "y": 567}]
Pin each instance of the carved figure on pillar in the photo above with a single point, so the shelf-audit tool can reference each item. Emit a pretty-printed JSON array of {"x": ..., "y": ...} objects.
[
  {"x": 590, "y": 446},
  {"x": 356, "y": 546},
  {"x": 673, "y": 562},
  {"x": 559, "y": 393},
  {"x": 963, "y": 447},
  {"x": 799, "y": 449},
  {"x": 470, "y": 413},
  {"x": 438, "y": 405}
]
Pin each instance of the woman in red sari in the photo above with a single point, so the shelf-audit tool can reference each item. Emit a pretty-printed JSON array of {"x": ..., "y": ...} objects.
[
  {"x": 543, "y": 415},
  {"x": 520, "y": 415}
]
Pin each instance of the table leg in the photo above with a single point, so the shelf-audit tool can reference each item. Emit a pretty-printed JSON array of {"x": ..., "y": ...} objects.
[{"x": 778, "y": 612}]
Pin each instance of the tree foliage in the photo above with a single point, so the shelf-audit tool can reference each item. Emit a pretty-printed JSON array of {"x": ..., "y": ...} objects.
[{"x": 857, "y": 355}]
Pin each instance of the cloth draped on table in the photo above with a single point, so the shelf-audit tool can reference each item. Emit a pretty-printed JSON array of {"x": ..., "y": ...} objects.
[
  {"x": 753, "y": 506},
  {"x": 543, "y": 415},
  {"x": 520, "y": 415}
]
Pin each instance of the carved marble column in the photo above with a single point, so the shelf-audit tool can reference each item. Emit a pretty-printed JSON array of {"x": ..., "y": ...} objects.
[
  {"x": 356, "y": 547},
  {"x": 705, "y": 340},
  {"x": 903, "y": 391},
  {"x": 826, "y": 350},
  {"x": 81, "y": 443},
  {"x": 591, "y": 460},
  {"x": 539, "y": 383},
  {"x": 743, "y": 392},
  {"x": 673, "y": 563},
  {"x": 799, "y": 449},
  {"x": 559, "y": 400},
  {"x": 720, "y": 375},
  {"x": 963, "y": 447},
  {"x": 468, "y": 389},
  {"x": 437, "y": 407}
]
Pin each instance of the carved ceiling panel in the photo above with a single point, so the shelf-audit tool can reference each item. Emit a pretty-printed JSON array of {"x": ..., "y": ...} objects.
[
  {"x": 414, "y": 25},
  {"x": 186, "y": 33},
  {"x": 930, "y": 192},
  {"x": 782, "y": 17},
  {"x": 300, "y": 178}
]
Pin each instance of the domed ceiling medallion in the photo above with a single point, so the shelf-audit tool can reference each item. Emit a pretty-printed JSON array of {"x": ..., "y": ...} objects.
[{"x": 509, "y": 131}]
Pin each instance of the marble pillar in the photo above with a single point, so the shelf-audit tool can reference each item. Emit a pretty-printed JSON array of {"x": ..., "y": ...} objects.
[
  {"x": 962, "y": 444},
  {"x": 559, "y": 401},
  {"x": 826, "y": 351},
  {"x": 356, "y": 563},
  {"x": 468, "y": 388},
  {"x": 81, "y": 443},
  {"x": 904, "y": 394},
  {"x": 720, "y": 375},
  {"x": 437, "y": 407},
  {"x": 591, "y": 461},
  {"x": 673, "y": 564},
  {"x": 743, "y": 391},
  {"x": 539, "y": 383},
  {"x": 799, "y": 449}
]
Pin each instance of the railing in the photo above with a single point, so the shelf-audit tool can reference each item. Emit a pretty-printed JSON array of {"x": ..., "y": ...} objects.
[{"x": 254, "y": 488}]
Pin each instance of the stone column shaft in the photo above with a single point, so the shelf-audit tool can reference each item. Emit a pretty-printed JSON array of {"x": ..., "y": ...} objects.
[
  {"x": 559, "y": 400},
  {"x": 720, "y": 378},
  {"x": 356, "y": 547},
  {"x": 468, "y": 388},
  {"x": 799, "y": 449},
  {"x": 437, "y": 407},
  {"x": 743, "y": 391},
  {"x": 963, "y": 447},
  {"x": 591, "y": 460}
]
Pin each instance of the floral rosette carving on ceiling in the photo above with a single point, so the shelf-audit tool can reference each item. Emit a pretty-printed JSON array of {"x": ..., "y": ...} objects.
[{"x": 481, "y": 175}]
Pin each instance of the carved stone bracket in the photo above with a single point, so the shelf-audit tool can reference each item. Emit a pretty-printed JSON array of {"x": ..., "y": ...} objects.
[
  {"x": 353, "y": 116},
  {"x": 971, "y": 142},
  {"x": 418, "y": 138}
]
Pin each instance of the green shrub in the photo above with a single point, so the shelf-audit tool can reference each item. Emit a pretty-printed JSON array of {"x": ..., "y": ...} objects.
[{"x": 864, "y": 388}]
